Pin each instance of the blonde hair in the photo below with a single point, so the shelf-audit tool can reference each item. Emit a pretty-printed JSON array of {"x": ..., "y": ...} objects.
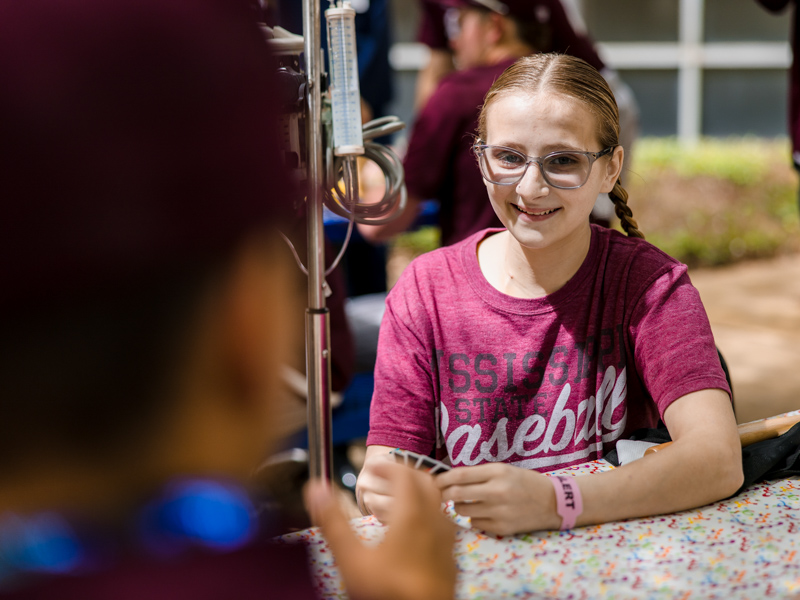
[{"x": 575, "y": 78}]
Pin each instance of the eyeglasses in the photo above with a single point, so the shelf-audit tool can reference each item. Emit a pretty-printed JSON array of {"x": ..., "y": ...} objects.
[{"x": 566, "y": 170}]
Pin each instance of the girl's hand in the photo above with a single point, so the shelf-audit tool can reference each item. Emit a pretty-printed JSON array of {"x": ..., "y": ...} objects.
[
  {"x": 501, "y": 498},
  {"x": 374, "y": 492}
]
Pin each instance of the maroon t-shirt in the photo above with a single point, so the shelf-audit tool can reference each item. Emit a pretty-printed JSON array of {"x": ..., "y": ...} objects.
[
  {"x": 256, "y": 572},
  {"x": 439, "y": 163},
  {"x": 540, "y": 383}
]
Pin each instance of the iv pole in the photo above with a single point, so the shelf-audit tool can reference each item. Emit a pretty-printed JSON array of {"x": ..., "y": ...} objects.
[
  {"x": 317, "y": 328},
  {"x": 350, "y": 139}
]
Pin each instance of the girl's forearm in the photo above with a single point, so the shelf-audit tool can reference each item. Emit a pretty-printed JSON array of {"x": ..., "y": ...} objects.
[
  {"x": 688, "y": 474},
  {"x": 703, "y": 465}
]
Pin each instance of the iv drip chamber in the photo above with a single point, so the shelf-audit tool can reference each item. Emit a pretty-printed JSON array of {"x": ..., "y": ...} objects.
[{"x": 344, "y": 87}]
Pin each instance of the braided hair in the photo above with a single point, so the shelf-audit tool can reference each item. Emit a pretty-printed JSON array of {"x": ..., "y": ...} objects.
[{"x": 577, "y": 79}]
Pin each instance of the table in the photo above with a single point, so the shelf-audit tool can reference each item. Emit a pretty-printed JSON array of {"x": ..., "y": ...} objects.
[{"x": 747, "y": 547}]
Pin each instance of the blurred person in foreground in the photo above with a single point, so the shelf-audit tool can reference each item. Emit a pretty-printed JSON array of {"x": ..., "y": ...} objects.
[{"x": 143, "y": 295}]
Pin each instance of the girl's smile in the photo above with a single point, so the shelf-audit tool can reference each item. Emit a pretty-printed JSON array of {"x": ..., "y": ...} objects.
[{"x": 536, "y": 215}]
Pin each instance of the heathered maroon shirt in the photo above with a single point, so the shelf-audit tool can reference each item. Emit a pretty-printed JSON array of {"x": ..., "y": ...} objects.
[{"x": 540, "y": 383}]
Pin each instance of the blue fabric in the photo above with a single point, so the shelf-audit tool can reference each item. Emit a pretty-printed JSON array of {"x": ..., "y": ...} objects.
[{"x": 188, "y": 514}]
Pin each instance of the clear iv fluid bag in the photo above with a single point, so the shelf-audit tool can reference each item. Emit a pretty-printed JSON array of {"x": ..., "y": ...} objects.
[{"x": 345, "y": 93}]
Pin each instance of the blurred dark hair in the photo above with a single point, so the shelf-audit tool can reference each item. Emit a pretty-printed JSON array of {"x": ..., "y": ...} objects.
[
  {"x": 138, "y": 148},
  {"x": 89, "y": 378}
]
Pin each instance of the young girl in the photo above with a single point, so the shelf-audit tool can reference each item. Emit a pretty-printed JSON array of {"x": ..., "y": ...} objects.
[{"x": 541, "y": 344}]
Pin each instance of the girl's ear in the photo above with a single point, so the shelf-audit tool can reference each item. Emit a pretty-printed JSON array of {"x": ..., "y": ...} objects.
[{"x": 613, "y": 169}]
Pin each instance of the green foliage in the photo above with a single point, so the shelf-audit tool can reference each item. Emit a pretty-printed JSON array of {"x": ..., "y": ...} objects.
[
  {"x": 743, "y": 161},
  {"x": 720, "y": 201},
  {"x": 419, "y": 241}
]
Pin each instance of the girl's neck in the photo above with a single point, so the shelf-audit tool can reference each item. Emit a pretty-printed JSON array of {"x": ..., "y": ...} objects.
[{"x": 523, "y": 272}]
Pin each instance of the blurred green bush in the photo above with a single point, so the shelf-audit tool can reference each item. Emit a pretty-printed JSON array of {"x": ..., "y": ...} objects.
[
  {"x": 744, "y": 161},
  {"x": 718, "y": 202},
  {"x": 418, "y": 241}
]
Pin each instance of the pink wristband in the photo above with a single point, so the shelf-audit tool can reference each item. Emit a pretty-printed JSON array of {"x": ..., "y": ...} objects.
[{"x": 569, "y": 503}]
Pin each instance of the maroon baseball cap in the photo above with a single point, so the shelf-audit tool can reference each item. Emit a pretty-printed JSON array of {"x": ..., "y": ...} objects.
[
  {"x": 137, "y": 137},
  {"x": 523, "y": 10}
]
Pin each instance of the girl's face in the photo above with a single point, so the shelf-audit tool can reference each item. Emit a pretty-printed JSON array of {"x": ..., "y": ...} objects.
[{"x": 536, "y": 214}]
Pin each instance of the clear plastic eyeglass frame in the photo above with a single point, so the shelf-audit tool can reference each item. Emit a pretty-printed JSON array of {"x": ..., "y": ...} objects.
[{"x": 480, "y": 153}]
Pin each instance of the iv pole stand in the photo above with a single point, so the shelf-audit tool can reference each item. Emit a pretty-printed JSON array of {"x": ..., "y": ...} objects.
[{"x": 317, "y": 327}]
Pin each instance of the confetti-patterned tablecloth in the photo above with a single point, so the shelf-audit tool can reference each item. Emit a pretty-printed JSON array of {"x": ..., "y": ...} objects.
[{"x": 747, "y": 547}]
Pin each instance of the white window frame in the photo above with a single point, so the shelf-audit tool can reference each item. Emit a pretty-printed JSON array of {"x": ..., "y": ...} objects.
[{"x": 690, "y": 56}]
